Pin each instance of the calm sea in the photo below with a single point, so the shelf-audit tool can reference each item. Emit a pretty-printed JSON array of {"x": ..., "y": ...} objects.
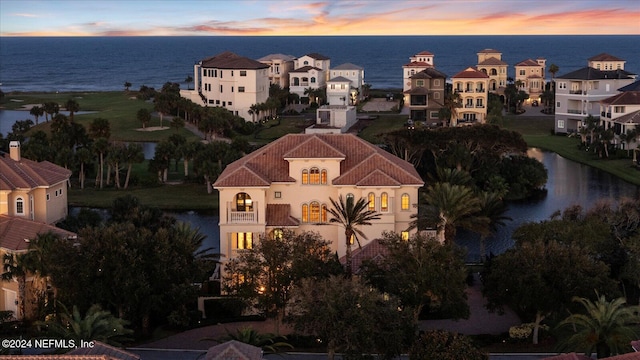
[{"x": 106, "y": 63}]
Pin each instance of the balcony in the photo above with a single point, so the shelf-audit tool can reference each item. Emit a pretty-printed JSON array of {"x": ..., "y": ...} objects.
[
  {"x": 572, "y": 111},
  {"x": 577, "y": 92},
  {"x": 468, "y": 90},
  {"x": 481, "y": 90},
  {"x": 242, "y": 217},
  {"x": 479, "y": 106},
  {"x": 468, "y": 106}
]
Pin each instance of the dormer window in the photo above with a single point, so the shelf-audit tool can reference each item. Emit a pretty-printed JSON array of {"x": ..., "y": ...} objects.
[
  {"x": 19, "y": 206},
  {"x": 314, "y": 176}
]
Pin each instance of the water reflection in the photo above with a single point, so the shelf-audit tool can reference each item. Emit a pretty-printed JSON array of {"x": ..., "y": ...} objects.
[{"x": 569, "y": 183}]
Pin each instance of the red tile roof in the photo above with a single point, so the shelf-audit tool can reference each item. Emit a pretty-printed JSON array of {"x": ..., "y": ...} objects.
[
  {"x": 359, "y": 159},
  {"x": 418, "y": 64},
  {"x": 489, "y": 51},
  {"x": 528, "y": 62},
  {"x": 14, "y": 231},
  {"x": 604, "y": 57},
  {"x": 318, "y": 56},
  {"x": 629, "y": 356},
  {"x": 304, "y": 69},
  {"x": 471, "y": 72},
  {"x": 280, "y": 215},
  {"x": 28, "y": 174},
  {"x": 229, "y": 60},
  {"x": 374, "y": 250},
  {"x": 492, "y": 61},
  {"x": 100, "y": 348},
  {"x": 624, "y": 98},
  {"x": 424, "y": 53}
]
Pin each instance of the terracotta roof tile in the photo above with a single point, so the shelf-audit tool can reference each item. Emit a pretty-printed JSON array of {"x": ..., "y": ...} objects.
[
  {"x": 359, "y": 159},
  {"x": 528, "y": 62},
  {"x": 470, "y": 73},
  {"x": 28, "y": 174},
  {"x": 100, "y": 348},
  {"x": 424, "y": 53},
  {"x": 630, "y": 118},
  {"x": 233, "y": 348},
  {"x": 318, "y": 56},
  {"x": 604, "y": 57},
  {"x": 491, "y": 51},
  {"x": 624, "y": 98},
  {"x": 14, "y": 231},
  {"x": 418, "y": 64},
  {"x": 229, "y": 60},
  {"x": 305, "y": 69},
  {"x": 636, "y": 345},
  {"x": 373, "y": 250},
  {"x": 280, "y": 215},
  {"x": 629, "y": 356},
  {"x": 492, "y": 61},
  {"x": 378, "y": 178}
]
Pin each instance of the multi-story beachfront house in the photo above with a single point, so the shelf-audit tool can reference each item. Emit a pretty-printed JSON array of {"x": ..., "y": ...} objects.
[
  {"x": 578, "y": 93},
  {"x": 471, "y": 84},
  {"x": 423, "y": 88},
  {"x": 490, "y": 62},
  {"x": 289, "y": 184},
  {"x": 339, "y": 92},
  {"x": 230, "y": 81},
  {"x": 530, "y": 76},
  {"x": 310, "y": 71},
  {"x": 279, "y": 67},
  {"x": 33, "y": 195},
  {"x": 621, "y": 112}
]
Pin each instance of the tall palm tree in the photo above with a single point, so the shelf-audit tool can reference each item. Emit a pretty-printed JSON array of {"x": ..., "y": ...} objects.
[
  {"x": 351, "y": 215},
  {"x": 127, "y": 85},
  {"x": 100, "y": 147},
  {"x": 50, "y": 108},
  {"x": 448, "y": 207},
  {"x": 452, "y": 102},
  {"x": 493, "y": 208},
  {"x": 132, "y": 154},
  {"x": 144, "y": 116},
  {"x": 72, "y": 107},
  {"x": 607, "y": 327},
  {"x": 15, "y": 267},
  {"x": 36, "y": 111},
  {"x": 83, "y": 155}
]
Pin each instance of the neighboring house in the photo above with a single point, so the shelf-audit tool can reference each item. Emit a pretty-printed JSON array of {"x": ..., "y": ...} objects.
[
  {"x": 288, "y": 184},
  {"x": 471, "y": 84},
  {"x": 353, "y": 93},
  {"x": 230, "y": 81},
  {"x": 33, "y": 195},
  {"x": 426, "y": 96},
  {"x": 310, "y": 71},
  {"x": 235, "y": 350},
  {"x": 279, "y": 67},
  {"x": 530, "y": 74},
  {"x": 490, "y": 62},
  {"x": 578, "y": 93},
  {"x": 621, "y": 112},
  {"x": 417, "y": 63}
]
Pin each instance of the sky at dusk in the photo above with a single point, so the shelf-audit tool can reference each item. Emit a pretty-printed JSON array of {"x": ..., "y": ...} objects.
[{"x": 330, "y": 17}]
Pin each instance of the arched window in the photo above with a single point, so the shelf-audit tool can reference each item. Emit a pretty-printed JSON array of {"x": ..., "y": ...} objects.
[
  {"x": 314, "y": 176},
  {"x": 314, "y": 212},
  {"x": 305, "y": 176},
  {"x": 372, "y": 201},
  {"x": 494, "y": 72},
  {"x": 19, "y": 206},
  {"x": 323, "y": 177},
  {"x": 306, "y": 63},
  {"x": 296, "y": 81},
  {"x": 384, "y": 202},
  {"x": 305, "y": 213},
  {"x": 349, "y": 196},
  {"x": 244, "y": 202},
  {"x": 323, "y": 213},
  {"x": 404, "y": 202}
]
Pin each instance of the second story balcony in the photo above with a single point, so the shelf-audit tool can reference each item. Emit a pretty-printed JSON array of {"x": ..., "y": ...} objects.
[
  {"x": 577, "y": 92},
  {"x": 247, "y": 216}
]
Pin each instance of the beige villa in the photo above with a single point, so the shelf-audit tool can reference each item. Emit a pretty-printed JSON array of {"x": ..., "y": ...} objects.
[
  {"x": 471, "y": 84},
  {"x": 33, "y": 196},
  {"x": 490, "y": 62},
  {"x": 530, "y": 75},
  {"x": 288, "y": 184}
]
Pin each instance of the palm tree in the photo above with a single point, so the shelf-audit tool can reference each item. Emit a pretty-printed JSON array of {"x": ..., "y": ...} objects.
[
  {"x": 493, "y": 208},
  {"x": 36, "y": 111},
  {"x": 144, "y": 116},
  {"x": 452, "y": 102},
  {"x": 553, "y": 69},
  {"x": 50, "y": 108},
  {"x": 188, "y": 80},
  {"x": 127, "y": 85},
  {"x": 97, "y": 324},
  {"x": 72, "y": 107},
  {"x": 351, "y": 216},
  {"x": 100, "y": 128},
  {"x": 448, "y": 207},
  {"x": 100, "y": 147},
  {"x": 607, "y": 327},
  {"x": 15, "y": 267},
  {"x": 83, "y": 155}
]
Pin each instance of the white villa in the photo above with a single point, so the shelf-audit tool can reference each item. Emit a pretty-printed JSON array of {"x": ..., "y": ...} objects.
[
  {"x": 471, "y": 84},
  {"x": 578, "y": 93},
  {"x": 490, "y": 62},
  {"x": 345, "y": 84},
  {"x": 230, "y": 81},
  {"x": 531, "y": 75},
  {"x": 309, "y": 71},
  {"x": 621, "y": 112},
  {"x": 279, "y": 67},
  {"x": 288, "y": 184}
]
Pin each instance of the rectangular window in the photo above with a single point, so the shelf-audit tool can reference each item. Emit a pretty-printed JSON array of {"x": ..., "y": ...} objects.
[
  {"x": 405, "y": 235},
  {"x": 231, "y": 72},
  {"x": 562, "y": 85},
  {"x": 277, "y": 194},
  {"x": 560, "y": 124},
  {"x": 245, "y": 241},
  {"x": 241, "y": 89},
  {"x": 232, "y": 89},
  {"x": 211, "y": 101},
  {"x": 220, "y": 74},
  {"x": 433, "y": 114},
  {"x": 384, "y": 202},
  {"x": 618, "y": 109},
  {"x": 404, "y": 202},
  {"x": 230, "y": 103},
  {"x": 48, "y": 197},
  {"x": 217, "y": 102},
  {"x": 243, "y": 73},
  {"x": 220, "y": 88},
  {"x": 436, "y": 82},
  {"x": 20, "y": 207},
  {"x": 523, "y": 72},
  {"x": 420, "y": 83}
]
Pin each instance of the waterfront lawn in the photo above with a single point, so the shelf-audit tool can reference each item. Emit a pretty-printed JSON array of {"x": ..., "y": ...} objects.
[{"x": 119, "y": 107}]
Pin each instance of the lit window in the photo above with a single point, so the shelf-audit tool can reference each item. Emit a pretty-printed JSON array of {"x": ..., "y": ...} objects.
[
  {"x": 372, "y": 201},
  {"x": 405, "y": 235},
  {"x": 277, "y": 234},
  {"x": 323, "y": 177},
  {"x": 305, "y": 176},
  {"x": 244, "y": 202},
  {"x": 314, "y": 215},
  {"x": 404, "y": 202},
  {"x": 20, "y": 206},
  {"x": 245, "y": 241},
  {"x": 314, "y": 176},
  {"x": 384, "y": 202},
  {"x": 305, "y": 213},
  {"x": 324, "y": 213}
]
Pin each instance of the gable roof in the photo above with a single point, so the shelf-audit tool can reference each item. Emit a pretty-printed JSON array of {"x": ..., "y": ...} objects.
[
  {"x": 340, "y": 79},
  {"x": 424, "y": 53},
  {"x": 280, "y": 215},
  {"x": 623, "y": 98},
  {"x": 373, "y": 250},
  {"x": 528, "y": 62},
  {"x": 229, "y": 60},
  {"x": 28, "y": 174},
  {"x": 358, "y": 159},
  {"x": 347, "y": 66},
  {"x": 604, "y": 57},
  {"x": 418, "y": 64},
  {"x": 234, "y": 347},
  {"x": 492, "y": 61},
  {"x": 630, "y": 118},
  {"x": 14, "y": 231},
  {"x": 589, "y": 73},
  {"x": 304, "y": 69},
  {"x": 471, "y": 72},
  {"x": 317, "y": 56},
  {"x": 489, "y": 51},
  {"x": 278, "y": 56}
]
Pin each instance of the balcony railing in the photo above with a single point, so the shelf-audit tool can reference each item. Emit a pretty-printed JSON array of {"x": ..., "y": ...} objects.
[
  {"x": 479, "y": 106},
  {"x": 577, "y": 92},
  {"x": 481, "y": 90},
  {"x": 242, "y": 217},
  {"x": 468, "y": 106},
  {"x": 571, "y": 111}
]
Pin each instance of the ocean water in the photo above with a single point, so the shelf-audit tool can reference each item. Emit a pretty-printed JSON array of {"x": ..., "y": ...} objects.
[{"x": 106, "y": 63}]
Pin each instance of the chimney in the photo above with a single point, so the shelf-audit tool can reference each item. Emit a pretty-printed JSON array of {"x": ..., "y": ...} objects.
[{"x": 14, "y": 150}]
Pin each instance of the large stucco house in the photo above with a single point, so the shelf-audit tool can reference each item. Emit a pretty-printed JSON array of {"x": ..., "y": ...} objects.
[
  {"x": 310, "y": 71},
  {"x": 423, "y": 88},
  {"x": 339, "y": 92},
  {"x": 230, "y": 81},
  {"x": 471, "y": 85},
  {"x": 621, "y": 112},
  {"x": 279, "y": 67},
  {"x": 578, "y": 93},
  {"x": 530, "y": 75},
  {"x": 33, "y": 196},
  {"x": 490, "y": 62},
  {"x": 288, "y": 184}
]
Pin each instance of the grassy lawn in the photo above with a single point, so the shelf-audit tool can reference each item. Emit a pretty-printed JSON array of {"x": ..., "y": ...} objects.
[
  {"x": 373, "y": 130},
  {"x": 275, "y": 129},
  {"x": 537, "y": 133}
]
